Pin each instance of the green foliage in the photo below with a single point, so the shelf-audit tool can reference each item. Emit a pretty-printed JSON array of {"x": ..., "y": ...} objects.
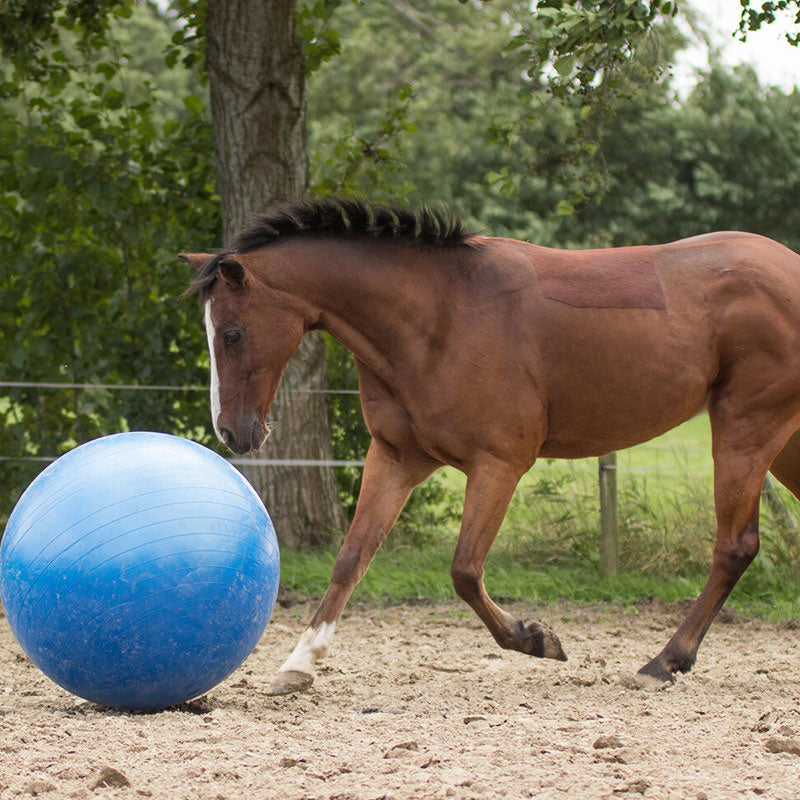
[
  {"x": 320, "y": 41},
  {"x": 479, "y": 131},
  {"x": 367, "y": 162},
  {"x": 188, "y": 40},
  {"x": 585, "y": 43},
  {"x": 493, "y": 142},
  {"x": 754, "y": 17},
  {"x": 100, "y": 184},
  {"x": 725, "y": 159},
  {"x": 29, "y": 28}
]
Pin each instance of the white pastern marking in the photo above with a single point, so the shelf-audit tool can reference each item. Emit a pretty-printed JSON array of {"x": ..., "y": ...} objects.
[
  {"x": 313, "y": 645},
  {"x": 215, "y": 404}
]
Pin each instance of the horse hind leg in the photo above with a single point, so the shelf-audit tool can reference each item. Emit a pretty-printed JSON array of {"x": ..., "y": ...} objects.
[
  {"x": 743, "y": 450},
  {"x": 786, "y": 466}
]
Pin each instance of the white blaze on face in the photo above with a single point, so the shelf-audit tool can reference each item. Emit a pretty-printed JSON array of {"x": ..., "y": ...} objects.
[
  {"x": 215, "y": 404},
  {"x": 313, "y": 645}
]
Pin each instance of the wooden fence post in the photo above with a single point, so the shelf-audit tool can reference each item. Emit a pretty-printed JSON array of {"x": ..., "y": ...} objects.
[
  {"x": 609, "y": 552},
  {"x": 769, "y": 494}
]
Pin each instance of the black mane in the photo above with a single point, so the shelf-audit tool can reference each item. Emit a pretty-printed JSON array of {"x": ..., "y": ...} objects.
[{"x": 339, "y": 217}]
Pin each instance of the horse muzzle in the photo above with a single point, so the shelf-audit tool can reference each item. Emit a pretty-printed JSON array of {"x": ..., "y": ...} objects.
[{"x": 244, "y": 438}]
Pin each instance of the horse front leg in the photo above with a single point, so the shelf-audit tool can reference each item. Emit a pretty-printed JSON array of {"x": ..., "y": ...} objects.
[
  {"x": 389, "y": 477},
  {"x": 489, "y": 489},
  {"x": 742, "y": 455}
]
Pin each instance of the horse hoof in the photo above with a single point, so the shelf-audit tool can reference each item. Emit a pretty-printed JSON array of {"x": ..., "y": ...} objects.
[
  {"x": 654, "y": 676},
  {"x": 541, "y": 642},
  {"x": 291, "y": 681}
]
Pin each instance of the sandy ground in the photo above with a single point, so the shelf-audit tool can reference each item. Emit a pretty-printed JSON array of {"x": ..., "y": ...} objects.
[{"x": 418, "y": 702}]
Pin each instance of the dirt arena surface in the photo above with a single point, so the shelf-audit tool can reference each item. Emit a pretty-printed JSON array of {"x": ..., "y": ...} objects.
[{"x": 418, "y": 702}]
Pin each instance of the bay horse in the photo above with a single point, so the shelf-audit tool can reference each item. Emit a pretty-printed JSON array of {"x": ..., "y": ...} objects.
[{"x": 487, "y": 353}]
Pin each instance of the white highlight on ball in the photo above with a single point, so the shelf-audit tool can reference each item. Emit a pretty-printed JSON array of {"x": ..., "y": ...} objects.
[{"x": 215, "y": 403}]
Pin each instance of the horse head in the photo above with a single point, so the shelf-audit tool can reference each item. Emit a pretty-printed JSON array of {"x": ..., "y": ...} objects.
[{"x": 252, "y": 333}]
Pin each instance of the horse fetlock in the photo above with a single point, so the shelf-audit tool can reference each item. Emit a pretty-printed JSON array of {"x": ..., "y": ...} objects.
[
  {"x": 684, "y": 662},
  {"x": 291, "y": 681},
  {"x": 538, "y": 640}
]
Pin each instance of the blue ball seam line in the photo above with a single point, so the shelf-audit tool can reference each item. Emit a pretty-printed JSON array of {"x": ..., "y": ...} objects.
[
  {"x": 182, "y": 489},
  {"x": 78, "y": 479},
  {"x": 187, "y": 584},
  {"x": 117, "y": 520},
  {"x": 258, "y": 540},
  {"x": 191, "y": 534},
  {"x": 178, "y": 604}
]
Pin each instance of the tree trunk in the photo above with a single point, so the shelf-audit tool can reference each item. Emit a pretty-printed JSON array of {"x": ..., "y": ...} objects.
[{"x": 257, "y": 84}]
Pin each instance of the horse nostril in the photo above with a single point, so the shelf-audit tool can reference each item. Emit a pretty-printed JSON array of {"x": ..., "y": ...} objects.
[
  {"x": 258, "y": 435},
  {"x": 227, "y": 437}
]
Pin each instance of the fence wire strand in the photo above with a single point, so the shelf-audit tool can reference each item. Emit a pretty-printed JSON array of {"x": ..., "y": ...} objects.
[{"x": 244, "y": 462}]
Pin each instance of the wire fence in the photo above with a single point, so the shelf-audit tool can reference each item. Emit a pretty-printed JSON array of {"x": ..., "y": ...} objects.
[
  {"x": 271, "y": 462},
  {"x": 607, "y": 472},
  {"x": 274, "y": 462}
]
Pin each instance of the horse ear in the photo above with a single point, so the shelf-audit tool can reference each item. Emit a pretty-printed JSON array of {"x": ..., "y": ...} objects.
[
  {"x": 197, "y": 260},
  {"x": 232, "y": 272}
]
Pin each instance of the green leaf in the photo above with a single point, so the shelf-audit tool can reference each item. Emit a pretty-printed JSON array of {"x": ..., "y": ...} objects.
[
  {"x": 107, "y": 70},
  {"x": 565, "y": 208},
  {"x": 194, "y": 104},
  {"x": 114, "y": 99},
  {"x": 564, "y": 65}
]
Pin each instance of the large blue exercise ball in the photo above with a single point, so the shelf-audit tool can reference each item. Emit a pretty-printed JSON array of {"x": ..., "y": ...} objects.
[{"x": 139, "y": 570}]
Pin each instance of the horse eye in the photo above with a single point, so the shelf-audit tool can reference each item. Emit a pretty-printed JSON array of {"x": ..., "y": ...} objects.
[{"x": 232, "y": 337}]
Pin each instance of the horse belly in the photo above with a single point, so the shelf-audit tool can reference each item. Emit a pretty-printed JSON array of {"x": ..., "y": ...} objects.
[{"x": 622, "y": 377}]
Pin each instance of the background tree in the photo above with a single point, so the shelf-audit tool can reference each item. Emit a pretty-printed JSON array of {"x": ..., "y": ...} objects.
[
  {"x": 108, "y": 171},
  {"x": 257, "y": 80},
  {"x": 84, "y": 124}
]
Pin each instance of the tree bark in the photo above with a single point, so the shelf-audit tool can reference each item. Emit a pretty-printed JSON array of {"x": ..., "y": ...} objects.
[{"x": 257, "y": 84}]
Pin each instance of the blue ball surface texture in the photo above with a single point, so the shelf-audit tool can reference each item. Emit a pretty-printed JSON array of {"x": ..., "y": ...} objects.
[{"x": 139, "y": 570}]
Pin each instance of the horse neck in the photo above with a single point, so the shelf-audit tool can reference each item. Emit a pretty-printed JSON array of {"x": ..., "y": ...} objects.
[{"x": 380, "y": 299}]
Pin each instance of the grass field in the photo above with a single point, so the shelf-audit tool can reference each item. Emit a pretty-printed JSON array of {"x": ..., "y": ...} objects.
[
  {"x": 668, "y": 477},
  {"x": 547, "y": 547}
]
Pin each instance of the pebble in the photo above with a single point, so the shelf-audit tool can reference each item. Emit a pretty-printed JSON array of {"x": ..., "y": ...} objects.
[
  {"x": 778, "y": 745},
  {"x": 603, "y": 742},
  {"x": 108, "y": 776}
]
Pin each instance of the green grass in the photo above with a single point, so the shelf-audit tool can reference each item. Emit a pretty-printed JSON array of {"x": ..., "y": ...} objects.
[
  {"x": 399, "y": 574},
  {"x": 547, "y": 548},
  {"x": 665, "y": 506}
]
